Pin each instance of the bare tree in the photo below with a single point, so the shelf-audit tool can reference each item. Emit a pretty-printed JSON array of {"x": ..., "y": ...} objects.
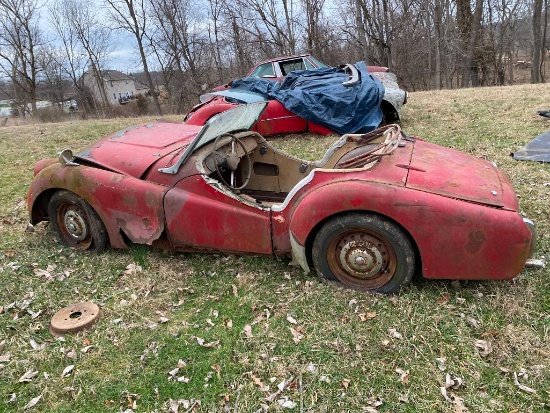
[
  {"x": 313, "y": 18},
  {"x": 537, "y": 41},
  {"x": 19, "y": 41},
  {"x": 182, "y": 46},
  {"x": 87, "y": 41},
  {"x": 132, "y": 16}
]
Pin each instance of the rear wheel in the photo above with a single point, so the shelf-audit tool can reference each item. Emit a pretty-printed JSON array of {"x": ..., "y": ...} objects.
[
  {"x": 365, "y": 252},
  {"x": 76, "y": 223}
]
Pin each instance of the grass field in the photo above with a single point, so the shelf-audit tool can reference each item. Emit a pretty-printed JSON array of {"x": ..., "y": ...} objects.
[{"x": 216, "y": 333}]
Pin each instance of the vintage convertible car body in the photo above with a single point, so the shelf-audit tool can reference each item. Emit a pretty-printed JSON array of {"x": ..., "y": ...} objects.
[{"x": 376, "y": 208}]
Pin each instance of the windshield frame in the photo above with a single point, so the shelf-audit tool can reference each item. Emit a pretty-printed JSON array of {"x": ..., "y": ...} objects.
[{"x": 239, "y": 118}]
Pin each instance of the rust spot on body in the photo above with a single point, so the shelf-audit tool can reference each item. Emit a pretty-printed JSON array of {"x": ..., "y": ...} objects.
[{"x": 476, "y": 239}]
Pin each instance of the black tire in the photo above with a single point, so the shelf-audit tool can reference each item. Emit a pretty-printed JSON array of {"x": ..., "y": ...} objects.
[
  {"x": 75, "y": 223},
  {"x": 383, "y": 255}
]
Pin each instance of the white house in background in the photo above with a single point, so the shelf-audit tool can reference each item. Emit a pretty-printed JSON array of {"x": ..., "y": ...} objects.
[{"x": 119, "y": 88}]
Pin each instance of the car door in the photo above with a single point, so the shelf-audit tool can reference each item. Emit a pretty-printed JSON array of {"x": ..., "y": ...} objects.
[{"x": 200, "y": 216}]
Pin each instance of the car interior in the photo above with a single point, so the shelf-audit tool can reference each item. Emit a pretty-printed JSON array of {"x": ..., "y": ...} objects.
[{"x": 246, "y": 164}]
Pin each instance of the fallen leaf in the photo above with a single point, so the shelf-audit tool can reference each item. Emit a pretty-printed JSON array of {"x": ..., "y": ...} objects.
[
  {"x": 404, "y": 375},
  {"x": 286, "y": 403},
  {"x": 452, "y": 381},
  {"x": 367, "y": 316},
  {"x": 229, "y": 323},
  {"x": 441, "y": 363},
  {"x": 248, "y": 331},
  {"x": 32, "y": 402},
  {"x": 393, "y": 333},
  {"x": 202, "y": 343},
  {"x": 67, "y": 370},
  {"x": 86, "y": 349},
  {"x": 484, "y": 347},
  {"x": 72, "y": 354},
  {"x": 522, "y": 386},
  {"x": 132, "y": 268},
  {"x": 444, "y": 299},
  {"x": 291, "y": 319},
  {"x": 345, "y": 383},
  {"x": 258, "y": 382},
  {"x": 296, "y": 335},
  {"x": 28, "y": 376},
  {"x": 235, "y": 291}
]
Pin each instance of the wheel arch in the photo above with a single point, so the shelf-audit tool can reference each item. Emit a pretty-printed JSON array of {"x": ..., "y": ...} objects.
[
  {"x": 315, "y": 230},
  {"x": 390, "y": 113},
  {"x": 130, "y": 208},
  {"x": 39, "y": 208}
]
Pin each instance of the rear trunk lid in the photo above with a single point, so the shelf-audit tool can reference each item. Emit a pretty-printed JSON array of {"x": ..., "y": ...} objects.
[{"x": 454, "y": 174}]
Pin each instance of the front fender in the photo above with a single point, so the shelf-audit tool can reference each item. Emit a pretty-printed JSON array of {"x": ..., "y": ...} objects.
[{"x": 123, "y": 203}]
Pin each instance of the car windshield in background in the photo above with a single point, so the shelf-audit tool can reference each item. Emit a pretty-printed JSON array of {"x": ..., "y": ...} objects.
[
  {"x": 317, "y": 62},
  {"x": 264, "y": 70}
]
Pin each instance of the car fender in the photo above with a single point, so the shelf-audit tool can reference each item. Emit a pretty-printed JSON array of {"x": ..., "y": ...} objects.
[
  {"x": 455, "y": 239},
  {"x": 124, "y": 204},
  {"x": 200, "y": 114}
]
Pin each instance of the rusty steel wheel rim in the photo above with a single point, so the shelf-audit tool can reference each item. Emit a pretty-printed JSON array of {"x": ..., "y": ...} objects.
[
  {"x": 361, "y": 258},
  {"x": 74, "y": 225}
]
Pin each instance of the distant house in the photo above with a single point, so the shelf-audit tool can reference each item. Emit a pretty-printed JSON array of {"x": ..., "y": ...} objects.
[{"x": 119, "y": 87}]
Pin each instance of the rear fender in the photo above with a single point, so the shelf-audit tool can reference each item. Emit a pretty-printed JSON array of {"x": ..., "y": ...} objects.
[
  {"x": 455, "y": 239},
  {"x": 123, "y": 203}
]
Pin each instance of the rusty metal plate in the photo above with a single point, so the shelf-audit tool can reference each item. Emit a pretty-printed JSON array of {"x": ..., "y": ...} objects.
[{"x": 74, "y": 318}]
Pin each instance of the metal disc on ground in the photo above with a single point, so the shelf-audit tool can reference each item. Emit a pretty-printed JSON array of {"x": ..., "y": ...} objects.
[{"x": 75, "y": 318}]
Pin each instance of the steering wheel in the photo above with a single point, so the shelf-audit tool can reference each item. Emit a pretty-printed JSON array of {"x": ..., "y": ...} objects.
[{"x": 230, "y": 161}]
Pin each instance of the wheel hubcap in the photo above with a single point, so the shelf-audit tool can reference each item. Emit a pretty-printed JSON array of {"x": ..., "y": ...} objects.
[
  {"x": 76, "y": 225},
  {"x": 361, "y": 259}
]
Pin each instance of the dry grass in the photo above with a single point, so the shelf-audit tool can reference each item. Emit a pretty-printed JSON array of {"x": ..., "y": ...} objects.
[{"x": 329, "y": 349}]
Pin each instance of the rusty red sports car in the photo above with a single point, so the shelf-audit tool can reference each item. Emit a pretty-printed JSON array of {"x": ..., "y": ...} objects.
[{"x": 377, "y": 208}]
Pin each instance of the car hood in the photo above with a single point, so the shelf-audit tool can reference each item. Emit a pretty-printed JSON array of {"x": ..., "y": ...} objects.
[
  {"x": 133, "y": 150},
  {"x": 458, "y": 175}
]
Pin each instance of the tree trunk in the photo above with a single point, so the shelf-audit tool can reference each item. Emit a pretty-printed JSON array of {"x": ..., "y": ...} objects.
[{"x": 537, "y": 41}]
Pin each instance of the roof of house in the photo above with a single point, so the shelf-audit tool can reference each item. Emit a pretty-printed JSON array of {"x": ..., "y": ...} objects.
[
  {"x": 115, "y": 75},
  {"x": 140, "y": 85}
]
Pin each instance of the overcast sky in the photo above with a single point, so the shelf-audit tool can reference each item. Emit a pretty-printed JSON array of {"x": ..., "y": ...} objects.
[{"x": 125, "y": 55}]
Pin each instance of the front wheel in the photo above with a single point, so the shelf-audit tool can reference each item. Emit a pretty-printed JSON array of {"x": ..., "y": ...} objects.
[
  {"x": 365, "y": 252},
  {"x": 76, "y": 223}
]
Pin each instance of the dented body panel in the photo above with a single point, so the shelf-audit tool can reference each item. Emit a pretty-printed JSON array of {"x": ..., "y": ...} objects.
[{"x": 124, "y": 204}]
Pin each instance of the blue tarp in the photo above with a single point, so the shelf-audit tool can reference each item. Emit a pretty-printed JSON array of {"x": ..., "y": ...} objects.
[{"x": 319, "y": 96}]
